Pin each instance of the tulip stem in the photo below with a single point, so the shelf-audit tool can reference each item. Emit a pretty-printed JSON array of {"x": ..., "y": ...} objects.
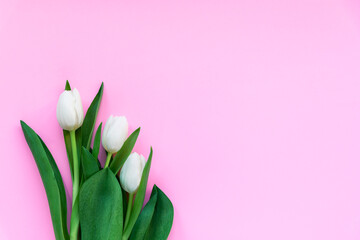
[
  {"x": 128, "y": 211},
  {"x": 74, "y": 214},
  {"x": 108, "y": 157},
  {"x": 76, "y": 166}
]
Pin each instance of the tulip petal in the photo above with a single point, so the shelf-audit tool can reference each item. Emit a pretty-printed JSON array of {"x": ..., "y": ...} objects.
[
  {"x": 115, "y": 133},
  {"x": 67, "y": 140},
  {"x": 78, "y": 108},
  {"x": 139, "y": 198},
  {"x": 130, "y": 174}
]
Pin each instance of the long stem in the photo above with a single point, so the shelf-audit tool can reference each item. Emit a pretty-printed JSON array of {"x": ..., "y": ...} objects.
[
  {"x": 128, "y": 211},
  {"x": 76, "y": 166},
  {"x": 108, "y": 157},
  {"x": 74, "y": 224}
]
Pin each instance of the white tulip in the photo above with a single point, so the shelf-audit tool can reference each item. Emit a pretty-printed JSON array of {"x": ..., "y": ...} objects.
[
  {"x": 131, "y": 172},
  {"x": 115, "y": 133},
  {"x": 69, "y": 110}
]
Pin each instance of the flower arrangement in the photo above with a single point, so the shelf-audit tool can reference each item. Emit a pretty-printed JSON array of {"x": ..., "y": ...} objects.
[{"x": 107, "y": 202}]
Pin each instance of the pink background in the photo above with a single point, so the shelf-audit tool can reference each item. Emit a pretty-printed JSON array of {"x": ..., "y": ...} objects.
[{"x": 252, "y": 107}]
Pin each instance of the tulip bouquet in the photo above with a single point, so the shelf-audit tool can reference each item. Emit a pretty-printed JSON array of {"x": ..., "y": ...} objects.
[{"x": 107, "y": 202}]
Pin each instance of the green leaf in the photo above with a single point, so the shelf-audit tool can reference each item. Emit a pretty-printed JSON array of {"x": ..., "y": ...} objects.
[
  {"x": 96, "y": 147},
  {"x": 143, "y": 222},
  {"x": 139, "y": 198},
  {"x": 52, "y": 181},
  {"x": 67, "y": 85},
  {"x": 162, "y": 219},
  {"x": 90, "y": 119},
  {"x": 155, "y": 220},
  {"x": 60, "y": 185},
  {"x": 124, "y": 152},
  {"x": 89, "y": 164},
  {"x": 100, "y": 205}
]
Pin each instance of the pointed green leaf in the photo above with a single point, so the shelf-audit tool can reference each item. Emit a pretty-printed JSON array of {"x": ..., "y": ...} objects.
[
  {"x": 143, "y": 222},
  {"x": 67, "y": 85},
  {"x": 139, "y": 198},
  {"x": 90, "y": 119},
  {"x": 124, "y": 152},
  {"x": 155, "y": 220},
  {"x": 162, "y": 219},
  {"x": 60, "y": 185},
  {"x": 100, "y": 205},
  {"x": 89, "y": 164},
  {"x": 96, "y": 147},
  {"x": 52, "y": 181}
]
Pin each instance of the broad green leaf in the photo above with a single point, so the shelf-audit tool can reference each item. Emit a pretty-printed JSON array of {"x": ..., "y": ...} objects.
[
  {"x": 60, "y": 185},
  {"x": 124, "y": 152},
  {"x": 96, "y": 146},
  {"x": 155, "y": 220},
  {"x": 100, "y": 205},
  {"x": 143, "y": 222},
  {"x": 139, "y": 198},
  {"x": 90, "y": 119},
  {"x": 52, "y": 181},
  {"x": 162, "y": 219},
  {"x": 89, "y": 164}
]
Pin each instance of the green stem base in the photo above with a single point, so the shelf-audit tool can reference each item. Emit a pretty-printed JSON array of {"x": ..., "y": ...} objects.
[
  {"x": 74, "y": 222},
  {"x": 108, "y": 157},
  {"x": 128, "y": 211}
]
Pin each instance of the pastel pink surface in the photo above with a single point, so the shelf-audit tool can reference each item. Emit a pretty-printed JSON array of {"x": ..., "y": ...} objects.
[{"x": 252, "y": 108}]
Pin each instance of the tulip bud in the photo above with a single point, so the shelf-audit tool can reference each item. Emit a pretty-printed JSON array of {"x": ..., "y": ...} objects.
[
  {"x": 115, "y": 133},
  {"x": 69, "y": 110},
  {"x": 131, "y": 172}
]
